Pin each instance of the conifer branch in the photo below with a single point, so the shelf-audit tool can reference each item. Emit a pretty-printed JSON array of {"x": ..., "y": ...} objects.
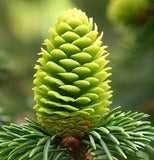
[{"x": 72, "y": 98}]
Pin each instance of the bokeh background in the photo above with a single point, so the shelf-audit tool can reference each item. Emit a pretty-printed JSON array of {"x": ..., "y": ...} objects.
[{"x": 24, "y": 25}]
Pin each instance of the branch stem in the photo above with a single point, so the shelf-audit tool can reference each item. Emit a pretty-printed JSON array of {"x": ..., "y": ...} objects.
[{"x": 81, "y": 153}]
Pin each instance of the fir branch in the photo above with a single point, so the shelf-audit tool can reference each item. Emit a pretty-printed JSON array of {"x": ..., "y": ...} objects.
[
  {"x": 119, "y": 134},
  {"x": 72, "y": 124},
  {"x": 28, "y": 141}
]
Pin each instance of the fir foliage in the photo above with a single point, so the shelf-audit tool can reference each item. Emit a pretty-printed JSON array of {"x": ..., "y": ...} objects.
[
  {"x": 29, "y": 141},
  {"x": 117, "y": 134}
]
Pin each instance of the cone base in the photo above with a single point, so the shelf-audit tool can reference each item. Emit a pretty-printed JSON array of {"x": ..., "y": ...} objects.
[{"x": 66, "y": 127}]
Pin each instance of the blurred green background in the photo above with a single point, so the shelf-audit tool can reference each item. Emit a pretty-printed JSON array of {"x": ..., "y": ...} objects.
[{"x": 24, "y": 25}]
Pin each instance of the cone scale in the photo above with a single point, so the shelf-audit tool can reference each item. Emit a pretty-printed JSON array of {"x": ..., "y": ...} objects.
[{"x": 71, "y": 87}]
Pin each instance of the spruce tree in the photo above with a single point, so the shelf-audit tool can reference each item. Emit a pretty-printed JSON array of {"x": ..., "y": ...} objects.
[{"x": 72, "y": 97}]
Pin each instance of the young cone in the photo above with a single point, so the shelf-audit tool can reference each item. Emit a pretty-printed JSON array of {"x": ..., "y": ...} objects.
[
  {"x": 129, "y": 12},
  {"x": 71, "y": 90}
]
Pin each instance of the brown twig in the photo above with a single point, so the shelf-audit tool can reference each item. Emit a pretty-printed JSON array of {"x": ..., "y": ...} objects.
[{"x": 78, "y": 150}]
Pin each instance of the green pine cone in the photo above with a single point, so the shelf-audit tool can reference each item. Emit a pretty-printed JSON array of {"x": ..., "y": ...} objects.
[
  {"x": 128, "y": 12},
  {"x": 71, "y": 89}
]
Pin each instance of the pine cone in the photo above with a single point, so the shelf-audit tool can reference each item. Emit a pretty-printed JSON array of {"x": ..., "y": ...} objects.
[
  {"x": 71, "y": 89},
  {"x": 128, "y": 12}
]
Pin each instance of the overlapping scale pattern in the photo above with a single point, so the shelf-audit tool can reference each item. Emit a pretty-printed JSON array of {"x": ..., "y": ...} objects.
[{"x": 71, "y": 86}]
